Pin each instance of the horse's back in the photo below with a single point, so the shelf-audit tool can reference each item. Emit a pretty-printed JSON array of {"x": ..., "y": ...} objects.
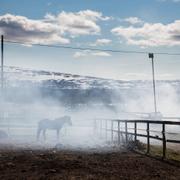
[
  {"x": 50, "y": 124},
  {"x": 44, "y": 123}
]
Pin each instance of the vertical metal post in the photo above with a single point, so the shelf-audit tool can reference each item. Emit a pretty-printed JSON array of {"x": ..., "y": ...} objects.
[
  {"x": 126, "y": 133},
  {"x": 151, "y": 55},
  {"x": 101, "y": 128},
  {"x": 112, "y": 131},
  {"x": 148, "y": 139},
  {"x": 2, "y": 79},
  {"x": 135, "y": 131},
  {"x": 119, "y": 133},
  {"x": 164, "y": 140},
  {"x": 106, "y": 130},
  {"x": 2, "y": 63}
]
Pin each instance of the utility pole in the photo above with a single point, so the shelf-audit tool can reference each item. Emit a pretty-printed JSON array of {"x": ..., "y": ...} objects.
[
  {"x": 2, "y": 63},
  {"x": 151, "y": 56},
  {"x": 2, "y": 79}
]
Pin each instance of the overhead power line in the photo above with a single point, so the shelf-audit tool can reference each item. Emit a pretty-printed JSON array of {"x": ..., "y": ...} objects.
[{"x": 90, "y": 49}]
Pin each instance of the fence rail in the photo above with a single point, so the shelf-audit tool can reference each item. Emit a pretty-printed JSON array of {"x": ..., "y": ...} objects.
[{"x": 120, "y": 127}]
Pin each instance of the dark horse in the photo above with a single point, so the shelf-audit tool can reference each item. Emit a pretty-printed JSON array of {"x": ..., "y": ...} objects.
[{"x": 55, "y": 124}]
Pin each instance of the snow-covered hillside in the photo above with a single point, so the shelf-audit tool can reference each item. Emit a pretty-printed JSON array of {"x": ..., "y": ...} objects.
[
  {"x": 15, "y": 75},
  {"x": 26, "y": 85}
]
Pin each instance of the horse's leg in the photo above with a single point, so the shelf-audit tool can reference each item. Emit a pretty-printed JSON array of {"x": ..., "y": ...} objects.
[
  {"x": 44, "y": 134},
  {"x": 57, "y": 134}
]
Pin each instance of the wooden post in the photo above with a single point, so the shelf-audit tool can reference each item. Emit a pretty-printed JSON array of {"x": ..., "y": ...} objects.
[
  {"x": 126, "y": 131},
  {"x": 164, "y": 140},
  {"x": 119, "y": 133},
  {"x": 111, "y": 131},
  {"x": 148, "y": 142},
  {"x": 135, "y": 131}
]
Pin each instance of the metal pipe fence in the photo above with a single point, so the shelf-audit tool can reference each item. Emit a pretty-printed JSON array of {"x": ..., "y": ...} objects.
[{"x": 125, "y": 133}]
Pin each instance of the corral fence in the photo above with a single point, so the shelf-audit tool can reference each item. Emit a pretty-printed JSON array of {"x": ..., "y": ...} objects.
[{"x": 121, "y": 131}]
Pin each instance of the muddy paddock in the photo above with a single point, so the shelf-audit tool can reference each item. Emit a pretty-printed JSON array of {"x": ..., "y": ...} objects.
[{"x": 53, "y": 163}]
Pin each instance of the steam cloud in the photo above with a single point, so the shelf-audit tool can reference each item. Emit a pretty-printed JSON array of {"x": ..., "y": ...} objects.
[{"x": 30, "y": 102}]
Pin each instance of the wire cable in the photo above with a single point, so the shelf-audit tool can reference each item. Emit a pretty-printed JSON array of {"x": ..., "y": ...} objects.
[{"x": 90, "y": 49}]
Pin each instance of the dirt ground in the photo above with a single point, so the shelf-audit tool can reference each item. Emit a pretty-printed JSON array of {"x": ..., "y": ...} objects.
[{"x": 78, "y": 164}]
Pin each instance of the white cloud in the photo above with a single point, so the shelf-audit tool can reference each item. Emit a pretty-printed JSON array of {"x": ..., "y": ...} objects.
[
  {"x": 78, "y": 23},
  {"x": 133, "y": 20},
  {"x": 89, "y": 53},
  {"x": 157, "y": 34},
  {"x": 52, "y": 29},
  {"x": 169, "y": 0},
  {"x": 34, "y": 31},
  {"x": 103, "y": 54},
  {"x": 80, "y": 54},
  {"x": 101, "y": 42}
]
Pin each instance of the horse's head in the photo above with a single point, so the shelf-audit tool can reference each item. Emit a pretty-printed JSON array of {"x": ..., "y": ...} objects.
[{"x": 67, "y": 120}]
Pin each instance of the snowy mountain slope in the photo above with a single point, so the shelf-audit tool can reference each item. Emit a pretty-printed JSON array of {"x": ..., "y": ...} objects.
[
  {"x": 26, "y": 85},
  {"x": 15, "y": 75}
]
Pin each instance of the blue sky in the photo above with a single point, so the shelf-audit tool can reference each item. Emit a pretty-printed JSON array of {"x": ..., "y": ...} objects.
[{"x": 141, "y": 25}]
